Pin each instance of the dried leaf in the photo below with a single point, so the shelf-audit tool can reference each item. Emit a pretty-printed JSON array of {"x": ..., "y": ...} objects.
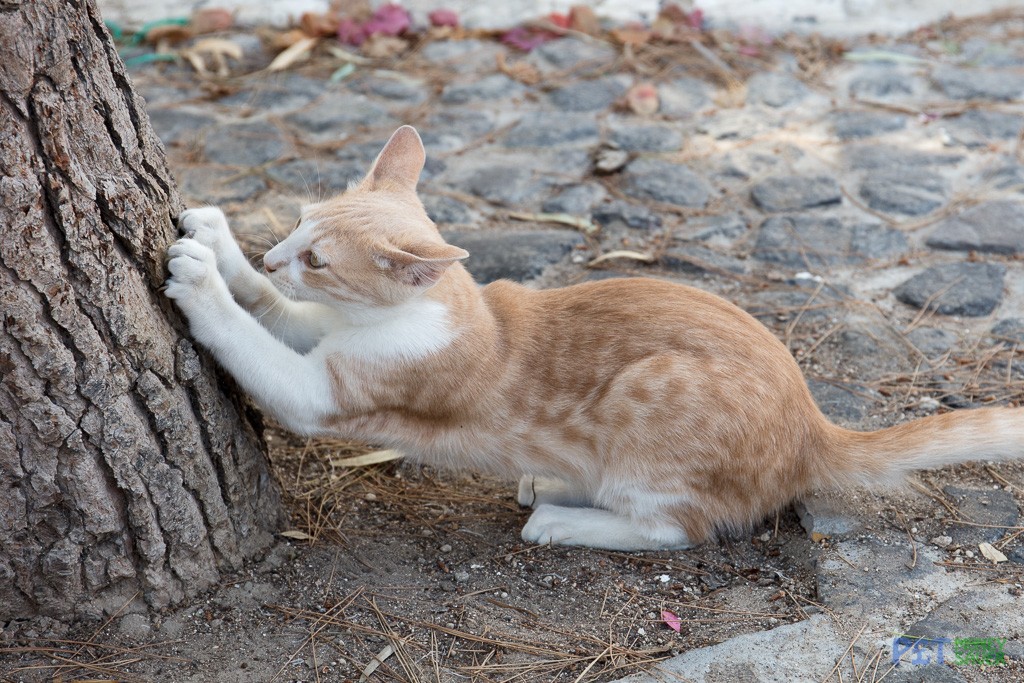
[
  {"x": 583, "y": 19},
  {"x": 285, "y": 39},
  {"x": 991, "y": 553},
  {"x": 643, "y": 100},
  {"x": 371, "y": 458},
  {"x": 377, "y": 660},
  {"x": 582, "y": 224},
  {"x": 632, "y": 34},
  {"x": 521, "y": 71},
  {"x": 621, "y": 253},
  {"x": 608, "y": 160},
  {"x": 293, "y": 55},
  {"x": 671, "y": 620},
  {"x": 296, "y": 535},
  {"x": 318, "y": 25},
  {"x": 211, "y": 20},
  {"x": 380, "y": 46},
  {"x": 218, "y": 46},
  {"x": 170, "y": 33},
  {"x": 346, "y": 56}
]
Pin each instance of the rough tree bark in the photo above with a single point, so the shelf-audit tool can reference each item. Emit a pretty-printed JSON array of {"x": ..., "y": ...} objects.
[{"x": 125, "y": 472}]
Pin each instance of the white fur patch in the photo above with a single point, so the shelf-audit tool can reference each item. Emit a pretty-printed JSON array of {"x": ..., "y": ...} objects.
[{"x": 410, "y": 331}]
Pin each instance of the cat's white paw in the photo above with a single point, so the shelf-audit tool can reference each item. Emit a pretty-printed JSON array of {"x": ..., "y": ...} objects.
[
  {"x": 209, "y": 227},
  {"x": 193, "y": 269},
  {"x": 547, "y": 525}
]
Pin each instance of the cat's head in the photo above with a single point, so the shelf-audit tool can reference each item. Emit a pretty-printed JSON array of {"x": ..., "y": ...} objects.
[{"x": 373, "y": 245}]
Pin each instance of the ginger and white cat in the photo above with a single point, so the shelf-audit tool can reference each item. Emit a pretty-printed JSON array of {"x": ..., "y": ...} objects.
[{"x": 640, "y": 414}]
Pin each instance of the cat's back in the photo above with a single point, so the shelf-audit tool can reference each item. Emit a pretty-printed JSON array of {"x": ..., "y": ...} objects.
[{"x": 635, "y": 311}]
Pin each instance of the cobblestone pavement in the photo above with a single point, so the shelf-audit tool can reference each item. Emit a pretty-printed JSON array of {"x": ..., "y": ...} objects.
[{"x": 868, "y": 207}]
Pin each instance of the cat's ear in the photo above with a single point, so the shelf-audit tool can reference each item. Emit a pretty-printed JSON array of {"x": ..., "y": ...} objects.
[
  {"x": 419, "y": 265},
  {"x": 399, "y": 164}
]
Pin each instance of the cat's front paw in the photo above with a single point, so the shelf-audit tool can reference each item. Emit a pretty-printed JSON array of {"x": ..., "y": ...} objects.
[
  {"x": 194, "y": 276},
  {"x": 209, "y": 227},
  {"x": 547, "y": 525}
]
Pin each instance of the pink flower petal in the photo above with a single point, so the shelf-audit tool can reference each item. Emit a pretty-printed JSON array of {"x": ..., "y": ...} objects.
[
  {"x": 351, "y": 33},
  {"x": 526, "y": 39},
  {"x": 444, "y": 17},
  {"x": 388, "y": 20},
  {"x": 671, "y": 620}
]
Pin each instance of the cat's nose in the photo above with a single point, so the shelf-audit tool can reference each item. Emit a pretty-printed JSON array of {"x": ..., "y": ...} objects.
[{"x": 269, "y": 265}]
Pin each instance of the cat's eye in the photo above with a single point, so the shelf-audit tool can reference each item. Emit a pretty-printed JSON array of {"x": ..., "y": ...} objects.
[{"x": 315, "y": 260}]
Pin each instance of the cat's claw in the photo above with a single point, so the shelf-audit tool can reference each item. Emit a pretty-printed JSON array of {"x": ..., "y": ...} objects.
[
  {"x": 208, "y": 226},
  {"x": 192, "y": 267}
]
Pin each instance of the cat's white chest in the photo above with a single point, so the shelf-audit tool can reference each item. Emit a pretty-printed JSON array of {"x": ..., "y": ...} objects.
[{"x": 408, "y": 332}]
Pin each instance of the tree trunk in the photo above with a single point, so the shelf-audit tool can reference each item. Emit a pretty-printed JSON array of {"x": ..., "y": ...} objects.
[{"x": 125, "y": 472}]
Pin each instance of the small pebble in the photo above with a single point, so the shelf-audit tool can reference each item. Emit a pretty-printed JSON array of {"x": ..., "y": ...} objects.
[
  {"x": 942, "y": 541},
  {"x": 446, "y": 548},
  {"x": 371, "y": 496}
]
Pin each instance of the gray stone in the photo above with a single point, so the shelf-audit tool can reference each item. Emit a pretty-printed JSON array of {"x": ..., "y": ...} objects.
[
  {"x": 544, "y": 129},
  {"x": 932, "y": 341},
  {"x": 245, "y": 144},
  {"x": 457, "y": 121},
  {"x": 979, "y": 84},
  {"x": 1009, "y": 330},
  {"x": 489, "y": 88},
  {"x": 980, "y": 127},
  {"x": 791, "y": 193},
  {"x": 443, "y": 209},
  {"x": 335, "y": 115},
  {"x": 391, "y": 85},
  {"x": 1007, "y": 177},
  {"x": 882, "y": 82},
  {"x": 683, "y": 97},
  {"x": 811, "y": 242},
  {"x": 994, "y": 227},
  {"x": 277, "y": 94},
  {"x": 648, "y": 137},
  {"x": 870, "y": 572},
  {"x": 580, "y": 56},
  {"x": 850, "y": 125},
  {"x": 695, "y": 259},
  {"x": 759, "y": 657},
  {"x": 205, "y": 185},
  {"x": 720, "y": 230},
  {"x": 841, "y": 404},
  {"x": 911, "y": 192},
  {"x": 870, "y": 157},
  {"x": 176, "y": 126},
  {"x": 969, "y": 289},
  {"x": 664, "y": 181},
  {"x": 316, "y": 178},
  {"x": 504, "y": 184},
  {"x": 619, "y": 212},
  {"x": 577, "y": 200},
  {"x": 592, "y": 95},
  {"x": 775, "y": 89},
  {"x": 994, "y": 507},
  {"x": 461, "y": 56},
  {"x": 159, "y": 92},
  {"x": 515, "y": 255},
  {"x": 823, "y": 517}
]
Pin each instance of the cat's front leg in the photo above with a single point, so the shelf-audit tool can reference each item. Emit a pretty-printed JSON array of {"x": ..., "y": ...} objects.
[
  {"x": 295, "y": 388},
  {"x": 300, "y": 325},
  {"x": 596, "y": 528}
]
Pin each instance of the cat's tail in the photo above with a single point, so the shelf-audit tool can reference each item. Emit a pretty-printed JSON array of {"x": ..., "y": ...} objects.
[{"x": 884, "y": 456}]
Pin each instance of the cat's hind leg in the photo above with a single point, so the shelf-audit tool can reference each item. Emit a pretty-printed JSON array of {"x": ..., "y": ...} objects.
[
  {"x": 535, "y": 491},
  {"x": 596, "y": 528}
]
